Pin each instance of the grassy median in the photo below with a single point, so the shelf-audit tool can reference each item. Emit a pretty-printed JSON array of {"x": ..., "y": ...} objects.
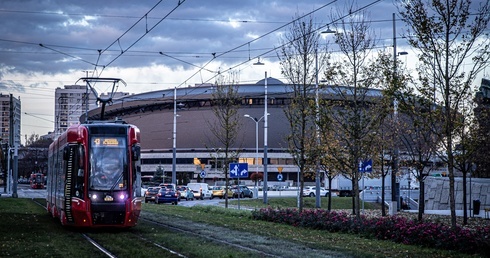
[{"x": 27, "y": 230}]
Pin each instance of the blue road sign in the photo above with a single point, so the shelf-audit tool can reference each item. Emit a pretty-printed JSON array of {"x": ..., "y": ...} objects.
[
  {"x": 238, "y": 170},
  {"x": 203, "y": 174},
  {"x": 366, "y": 166},
  {"x": 279, "y": 177}
]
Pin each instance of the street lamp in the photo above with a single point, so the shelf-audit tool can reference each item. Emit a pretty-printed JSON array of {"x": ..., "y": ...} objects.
[
  {"x": 265, "y": 134},
  {"x": 394, "y": 171},
  {"x": 256, "y": 145},
  {"x": 317, "y": 118},
  {"x": 174, "y": 139}
]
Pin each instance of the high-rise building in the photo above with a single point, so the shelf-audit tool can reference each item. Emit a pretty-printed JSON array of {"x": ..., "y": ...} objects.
[
  {"x": 70, "y": 103},
  {"x": 6, "y": 103}
]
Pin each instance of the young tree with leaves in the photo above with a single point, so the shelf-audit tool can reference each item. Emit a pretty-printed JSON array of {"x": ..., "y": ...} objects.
[
  {"x": 419, "y": 140},
  {"x": 466, "y": 148},
  {"x": 452, "y": 39},
  {"x": 350, "y": 104},
  {"x": 297, "y": 58},
  {"x": 225, "y": 104}
]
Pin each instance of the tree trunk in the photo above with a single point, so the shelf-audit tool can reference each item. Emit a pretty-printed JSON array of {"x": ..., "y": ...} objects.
[
  {"x": 330, "y": 193},
  {"x": 465, "y": 211},
  {"x": 421, "y": 199},
  {"x": 383, "y": 208},
  {"x": 353, "y": 196}
]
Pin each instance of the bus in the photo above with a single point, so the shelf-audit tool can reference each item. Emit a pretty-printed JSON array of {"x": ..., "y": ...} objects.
[
  {"x": 37, "y": 181},
  {"x": 94, "y": 176}
]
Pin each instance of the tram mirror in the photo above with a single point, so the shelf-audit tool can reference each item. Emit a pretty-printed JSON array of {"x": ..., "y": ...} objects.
[{"x": 136, "y": 152}]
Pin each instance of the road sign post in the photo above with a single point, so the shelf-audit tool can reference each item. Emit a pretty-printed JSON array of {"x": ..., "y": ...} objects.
[{"x": 365, "y": 166}]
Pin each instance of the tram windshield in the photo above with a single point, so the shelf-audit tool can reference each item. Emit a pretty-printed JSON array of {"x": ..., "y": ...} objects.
[{"x": 108, "y": 159}]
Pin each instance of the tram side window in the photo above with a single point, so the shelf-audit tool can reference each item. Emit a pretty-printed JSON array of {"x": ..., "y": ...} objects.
[{"x": 80, "y": 174}]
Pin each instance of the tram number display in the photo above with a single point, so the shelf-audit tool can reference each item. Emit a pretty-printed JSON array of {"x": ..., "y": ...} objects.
[{"x": 99, "y": 141}]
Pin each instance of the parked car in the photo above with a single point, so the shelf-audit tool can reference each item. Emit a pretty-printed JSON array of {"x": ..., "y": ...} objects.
[
  {"x": 242, "y": 190},
  {"x": 167, "y": 194},
  {"x": 346, "y": 193},
  {"x": 185, "y": 193},
  {"x": 311, "y": 191},
  {"x": 200, "y": 190},
  {"x": 169, "y": 185},
  {"x": 151, "y": 193},
  {"x": 220, "y": 191}
]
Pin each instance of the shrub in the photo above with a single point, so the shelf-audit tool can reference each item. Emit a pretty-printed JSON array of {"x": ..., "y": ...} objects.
[{"x": 394, "y": 228}]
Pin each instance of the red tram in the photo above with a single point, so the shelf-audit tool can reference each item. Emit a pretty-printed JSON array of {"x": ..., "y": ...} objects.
[
  {"x": 93, "y": 175},
  {"x": 37, "y": 181}
]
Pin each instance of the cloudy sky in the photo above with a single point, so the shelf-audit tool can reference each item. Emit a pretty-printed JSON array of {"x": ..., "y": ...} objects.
[{"x": 150, "y": 44}]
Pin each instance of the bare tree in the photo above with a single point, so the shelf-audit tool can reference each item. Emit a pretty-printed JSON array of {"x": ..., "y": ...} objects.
[
  {"x": 297, "y": 57},
  {"x": 225, "y": 104},
  {"x": 450, "y": 35}
]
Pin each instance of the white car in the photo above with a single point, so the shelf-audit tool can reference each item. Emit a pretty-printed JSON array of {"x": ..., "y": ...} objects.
[{"x": 311, "y": 191}]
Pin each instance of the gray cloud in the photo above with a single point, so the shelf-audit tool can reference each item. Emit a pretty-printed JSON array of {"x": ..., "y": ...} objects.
[{"x": 73, "y": 31}]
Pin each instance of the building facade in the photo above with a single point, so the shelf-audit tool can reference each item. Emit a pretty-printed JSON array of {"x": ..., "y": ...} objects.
[
  {"x": 10, "y": 105},
  {"x": 70, "y": 103},
  {"x": 198, "y": 153}
]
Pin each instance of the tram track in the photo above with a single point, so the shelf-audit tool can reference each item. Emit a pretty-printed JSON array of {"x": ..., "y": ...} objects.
[
  {"x": 97, "y": 245},
  {"x": 157, "y": 232},
  {"x": 213, "y": 238},
  {"x": 106, "y": 252}
]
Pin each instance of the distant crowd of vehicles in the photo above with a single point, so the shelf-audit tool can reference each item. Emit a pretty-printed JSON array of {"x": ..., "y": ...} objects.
[
  {"x": 170, "y": 193},
  {"x": 35, "y": 180}
]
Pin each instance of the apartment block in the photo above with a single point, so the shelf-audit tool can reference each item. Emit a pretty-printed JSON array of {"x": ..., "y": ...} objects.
[
  {"x": 70, "y": 103},
  {"x": 6, "y": 103}
]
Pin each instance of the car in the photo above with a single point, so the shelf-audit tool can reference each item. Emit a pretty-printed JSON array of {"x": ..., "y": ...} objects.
[
  {"x": 167, "y": 194},
  {"x": 151, "y": 193},
  {"x": 185, "y": 193},
  {"x": 347, "y": 193},
  {"x": 200, "y": 190},
  {"x": 244, "y": 191},
  {"x": 219, "y": 192},
  {"x": 168, "y": 185},
  {"x": 311, "y": 191}
]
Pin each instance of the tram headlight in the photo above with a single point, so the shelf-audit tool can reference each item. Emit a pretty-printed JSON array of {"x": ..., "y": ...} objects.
[{"x": 122, "y": 196}]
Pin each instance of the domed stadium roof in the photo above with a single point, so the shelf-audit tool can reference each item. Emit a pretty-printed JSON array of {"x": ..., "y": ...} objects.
[{"x": 270, "y": 81}]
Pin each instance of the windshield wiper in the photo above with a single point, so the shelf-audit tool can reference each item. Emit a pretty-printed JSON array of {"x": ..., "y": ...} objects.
[{"x": 117, "y": 181}]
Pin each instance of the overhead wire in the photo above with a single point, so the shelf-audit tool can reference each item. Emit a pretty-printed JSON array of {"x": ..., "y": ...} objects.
[
  {"x": 148, "y": 30},
  {"x": 215, "y": 55},
  {"x": 294, "y": 20},
  {"x": 253, "y": 40}
]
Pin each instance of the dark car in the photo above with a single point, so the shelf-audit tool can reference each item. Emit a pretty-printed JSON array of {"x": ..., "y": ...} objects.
[
  {"x": 243, "y": 192},
  {"x": 151, "y": 193},
  {"x": 167, "y": 194}
]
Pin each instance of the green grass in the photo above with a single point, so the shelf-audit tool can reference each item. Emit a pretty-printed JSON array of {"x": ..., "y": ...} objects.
[
  {"x": 291, "y": 202},
  {"x": 345, "y": 243},
  {"x": 27, "y": 230}
]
